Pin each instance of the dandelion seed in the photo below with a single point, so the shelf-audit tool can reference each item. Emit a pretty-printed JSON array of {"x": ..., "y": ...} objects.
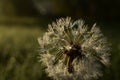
[{"x": 72, "y": 52}]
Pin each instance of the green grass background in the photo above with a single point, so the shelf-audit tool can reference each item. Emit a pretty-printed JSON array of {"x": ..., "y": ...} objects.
[{"x": 18, "y": 52}]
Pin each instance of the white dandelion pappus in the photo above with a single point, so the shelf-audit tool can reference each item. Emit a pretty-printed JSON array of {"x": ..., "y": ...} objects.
[{"x": 72, "y": 52}]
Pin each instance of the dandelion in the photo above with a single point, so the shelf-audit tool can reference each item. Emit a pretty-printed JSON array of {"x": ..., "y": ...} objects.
[{"x": 71, "y": 51}]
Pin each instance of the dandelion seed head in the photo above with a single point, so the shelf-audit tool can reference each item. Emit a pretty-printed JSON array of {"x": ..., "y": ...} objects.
[{"x": 72, "y": 52}]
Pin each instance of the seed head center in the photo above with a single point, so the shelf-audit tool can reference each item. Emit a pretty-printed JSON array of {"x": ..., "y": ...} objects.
[{"x": 73, "y": 53}]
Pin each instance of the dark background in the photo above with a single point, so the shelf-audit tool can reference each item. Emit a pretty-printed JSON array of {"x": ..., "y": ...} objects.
[{"x": 23, "y": 21}]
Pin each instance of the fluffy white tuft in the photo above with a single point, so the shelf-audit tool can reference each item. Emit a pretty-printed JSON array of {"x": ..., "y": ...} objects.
[{"x": 62, "y": 34}]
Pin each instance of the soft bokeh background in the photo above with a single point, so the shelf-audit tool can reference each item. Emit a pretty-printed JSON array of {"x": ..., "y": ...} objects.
[{"x": 23, "y": 21}]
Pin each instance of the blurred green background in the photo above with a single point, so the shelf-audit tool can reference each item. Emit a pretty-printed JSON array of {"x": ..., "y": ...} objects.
[{"x": 23, "y": 21}]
